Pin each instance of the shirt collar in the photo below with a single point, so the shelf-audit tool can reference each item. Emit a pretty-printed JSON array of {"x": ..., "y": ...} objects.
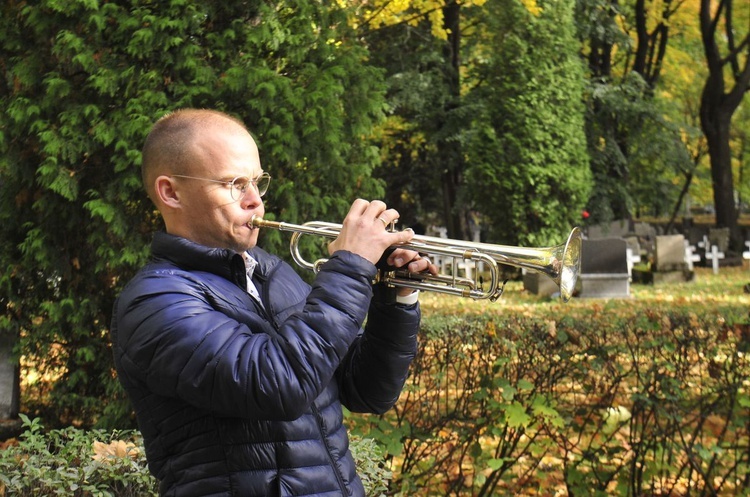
[{"x": 250, "y": 264}]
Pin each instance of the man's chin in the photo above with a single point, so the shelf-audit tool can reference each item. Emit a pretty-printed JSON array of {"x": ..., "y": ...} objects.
[{"x": 250, "y": 241}]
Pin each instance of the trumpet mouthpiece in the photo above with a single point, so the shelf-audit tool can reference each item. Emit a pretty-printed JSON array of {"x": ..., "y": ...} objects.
[{"x": 258, "y": 222}]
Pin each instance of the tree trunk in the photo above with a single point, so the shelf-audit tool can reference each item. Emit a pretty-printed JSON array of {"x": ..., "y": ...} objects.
[
  {"x": 9, "y": 378},
  {"x": 680, "y": 200},
  {"x": 651, "y": 47},
  {"x": 716, "y": 122},
  {"x": 718, "y": 104},
  {"x": 450, "y": 151}
]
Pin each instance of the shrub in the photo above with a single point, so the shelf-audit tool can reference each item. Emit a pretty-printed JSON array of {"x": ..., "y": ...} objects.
[
  {"x": 74, "y": 462},
  {"x": 371, "y": 467},
  {"x": 602, "y": 399}
]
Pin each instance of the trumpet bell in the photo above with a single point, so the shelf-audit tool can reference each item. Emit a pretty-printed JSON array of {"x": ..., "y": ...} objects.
[
  {"x": 571, "y": 264},
  {"x": 561, "y": 262}
]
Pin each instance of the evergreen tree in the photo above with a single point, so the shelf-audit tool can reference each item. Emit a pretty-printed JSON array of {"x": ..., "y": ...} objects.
[
  {"x": 82, "y": 83},
  {"x": 528, "y": 171}
]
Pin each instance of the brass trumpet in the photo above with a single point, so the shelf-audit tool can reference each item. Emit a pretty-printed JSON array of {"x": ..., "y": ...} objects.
[{"x": 561, "y": 262}]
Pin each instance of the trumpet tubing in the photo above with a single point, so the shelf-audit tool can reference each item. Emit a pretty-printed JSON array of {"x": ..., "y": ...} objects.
[{"x": 561, "y": 263}]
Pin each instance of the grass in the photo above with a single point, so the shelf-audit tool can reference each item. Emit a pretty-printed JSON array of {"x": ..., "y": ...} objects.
[{"x": 706, "y": 291}]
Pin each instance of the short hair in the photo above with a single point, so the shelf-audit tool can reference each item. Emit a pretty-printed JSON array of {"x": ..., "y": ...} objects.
[{"x": 170, "y": 145}]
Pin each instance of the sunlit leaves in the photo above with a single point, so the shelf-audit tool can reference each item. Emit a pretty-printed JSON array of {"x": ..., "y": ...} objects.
[{"x": 383, "y": 13}]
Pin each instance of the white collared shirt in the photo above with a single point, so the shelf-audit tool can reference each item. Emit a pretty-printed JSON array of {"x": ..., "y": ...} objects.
[{"x": 250, "y": 265}]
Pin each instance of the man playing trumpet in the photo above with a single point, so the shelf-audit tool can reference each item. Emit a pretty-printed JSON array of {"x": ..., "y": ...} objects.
[{"x": 236, "y": 368}]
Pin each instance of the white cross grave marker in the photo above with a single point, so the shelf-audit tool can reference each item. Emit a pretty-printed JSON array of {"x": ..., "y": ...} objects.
[
  {"x": 705, "y": 245},
  {"x": 441, "y": 261},
  {"x": 467, "y": 268},
  {"x": 633, "y": 259},
  {"x": 715, "y": 255},
  {"x": 690, "y": 256}
]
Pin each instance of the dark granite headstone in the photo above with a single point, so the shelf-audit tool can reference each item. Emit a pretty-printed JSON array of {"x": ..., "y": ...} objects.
[
  {"x": 604, "y": 268},
  {"x": 604, "y": 256}
]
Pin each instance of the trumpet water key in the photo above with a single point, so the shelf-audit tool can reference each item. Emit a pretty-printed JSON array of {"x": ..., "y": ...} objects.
[{"x": 561, "y": 263}]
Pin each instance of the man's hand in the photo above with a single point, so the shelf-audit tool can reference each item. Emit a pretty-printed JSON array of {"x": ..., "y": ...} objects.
[
  {"x": 364, "y": 231},
  {"x": 413, "y": 262}
]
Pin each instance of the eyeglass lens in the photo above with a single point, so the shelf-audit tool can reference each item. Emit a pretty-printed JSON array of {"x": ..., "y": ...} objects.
[{"x": 242, "y": 183}]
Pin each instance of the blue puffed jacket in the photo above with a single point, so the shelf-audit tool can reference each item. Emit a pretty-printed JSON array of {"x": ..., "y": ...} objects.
[{"x": 238, "y": 399}]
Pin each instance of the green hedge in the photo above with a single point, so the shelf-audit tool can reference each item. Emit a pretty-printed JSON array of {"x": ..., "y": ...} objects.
[
  {"x": 598, "y": 401},
  {"x": 649, "y": 396}
]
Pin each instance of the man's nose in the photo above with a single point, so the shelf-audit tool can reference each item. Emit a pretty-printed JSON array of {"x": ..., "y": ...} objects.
[{"x": 251, "y": 198}]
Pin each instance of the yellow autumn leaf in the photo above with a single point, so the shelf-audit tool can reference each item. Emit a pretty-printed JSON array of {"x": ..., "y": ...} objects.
[
  {"x": 532, "y": 6},
  {"x": 118, "y": 449}
]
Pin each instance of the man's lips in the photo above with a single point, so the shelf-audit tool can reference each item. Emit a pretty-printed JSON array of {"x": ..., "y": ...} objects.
[{"x": 250, "y": 223}]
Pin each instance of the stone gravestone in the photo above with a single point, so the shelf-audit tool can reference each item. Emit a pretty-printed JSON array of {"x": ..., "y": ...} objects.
[
  {"x": 720, "y": 238},
  {"x": 9, "y": 386},
  {"x": 604, "y": 269},
  {"x": 644, "y": 230},
  {"x": 718, "y": 251},
  {"x": 539, "y": 284},
  {"x": 669, "y": 260},
  {"x": 670, "y": 253},
  {"x": 611, "y": 229},
  {"x": 646, "y": 235}
]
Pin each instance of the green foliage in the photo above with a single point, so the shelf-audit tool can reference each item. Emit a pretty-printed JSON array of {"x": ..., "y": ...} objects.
[
  {"x": 82, "y": 83},
  {"x": 489, "y": 120},
  {"x": 422, "y": 114},
  {"x": 635, "y": 153},
  {"x": 74, "y": 462},
  {"x": 371, "y": 468},
  {"x": 636, "y": 397},
  {"x": 638, "y": 74},
  {"x": 528, "y": 172}
]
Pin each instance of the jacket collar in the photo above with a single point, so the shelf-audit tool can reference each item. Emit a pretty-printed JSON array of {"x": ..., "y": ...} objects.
[{"x": 196, "y": 257}]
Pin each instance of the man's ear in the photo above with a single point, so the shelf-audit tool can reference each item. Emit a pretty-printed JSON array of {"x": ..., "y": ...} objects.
[{"x": 166, "y": 192}]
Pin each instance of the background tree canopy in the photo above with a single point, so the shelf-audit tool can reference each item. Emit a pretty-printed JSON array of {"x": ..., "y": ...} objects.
[
  {"x": 527, "y": 167},
  {"x": 82, "y": 83},
  {"x": 487, "y": 107},
  {"x": 517, "y": 114}
]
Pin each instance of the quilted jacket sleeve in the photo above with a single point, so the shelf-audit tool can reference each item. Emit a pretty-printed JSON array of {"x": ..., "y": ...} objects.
[
  {"x": 375, "y": 370},
  {"x": 177, "y": 337}
]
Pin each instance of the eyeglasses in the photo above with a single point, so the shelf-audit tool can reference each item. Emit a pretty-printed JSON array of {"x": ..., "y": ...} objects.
[{"x": 240, "y": 184}]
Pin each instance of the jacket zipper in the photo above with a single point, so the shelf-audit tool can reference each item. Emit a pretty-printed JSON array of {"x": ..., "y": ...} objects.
[
  {"x": 265, "y": 300},
  {"x": 324, "y": 436},
  {"x": 265, "y": 297}
]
